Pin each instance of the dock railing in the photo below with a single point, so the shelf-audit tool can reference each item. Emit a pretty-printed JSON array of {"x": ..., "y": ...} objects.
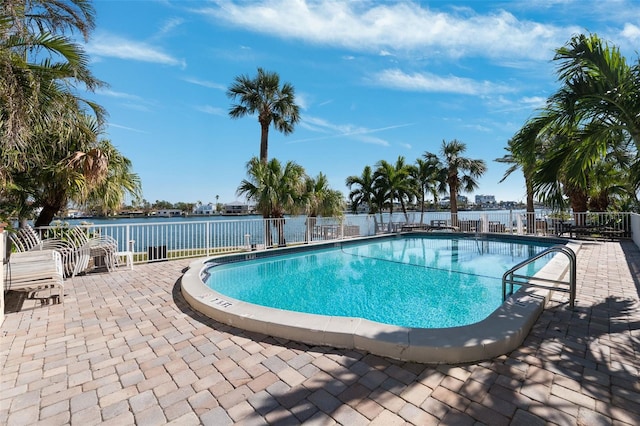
[{"x": 172, "y": 239}]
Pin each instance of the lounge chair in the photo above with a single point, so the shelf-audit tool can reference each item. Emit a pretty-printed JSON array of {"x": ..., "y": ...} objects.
[
  {"x": 75, "y": 259},
  {"x": 34, "y": 271},
  {"x": 99, "y": 246}
]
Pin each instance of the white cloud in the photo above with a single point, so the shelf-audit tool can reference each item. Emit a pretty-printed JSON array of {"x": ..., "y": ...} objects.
[
  {"x": 631, "y": 32},
  {"x": 205, "y": 83},
  {"x": 333, "y": 131},
  {"x": 427, "y": 82},
  {"x": 528, "y": 102},
  {"x": 395, "y": 27},
  {"x": 119, "y": 95},
  {"x": 118, "y": 126},
  {"x": 117, "y": 47},
  {"x": 169, "y": 26},
  {"x": 208, "y": 109},
  {"x": 303, "y": 100}
]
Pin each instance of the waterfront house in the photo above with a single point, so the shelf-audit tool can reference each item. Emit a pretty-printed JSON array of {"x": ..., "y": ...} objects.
[{"x": 236, "y": 208}]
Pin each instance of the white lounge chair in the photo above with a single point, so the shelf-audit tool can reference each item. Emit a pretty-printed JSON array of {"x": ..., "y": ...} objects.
[
  {"x": 75, "y": 259},
  {"x": 99, "y": 246},
  {"x": 35, "y": 272}
]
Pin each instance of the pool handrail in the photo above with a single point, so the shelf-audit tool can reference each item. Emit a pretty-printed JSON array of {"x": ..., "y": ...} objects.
[{"x": 510, "y": 277}]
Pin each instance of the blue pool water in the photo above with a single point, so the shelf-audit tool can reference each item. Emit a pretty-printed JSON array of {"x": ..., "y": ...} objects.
[{"x": 413, "y": 281}]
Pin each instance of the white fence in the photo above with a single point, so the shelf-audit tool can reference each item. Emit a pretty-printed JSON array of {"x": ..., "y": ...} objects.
[{"x": 154, "y": 241}]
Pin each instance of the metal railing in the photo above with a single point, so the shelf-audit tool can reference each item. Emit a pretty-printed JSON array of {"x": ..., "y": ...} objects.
[
  {"x": 511, "y": 278},
  {"x": 152, "y": 239},
  {"x": 155, "y": 241}
]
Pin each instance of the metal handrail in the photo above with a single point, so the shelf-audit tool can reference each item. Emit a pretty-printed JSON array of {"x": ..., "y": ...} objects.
[{"x": 510, "y": 277}]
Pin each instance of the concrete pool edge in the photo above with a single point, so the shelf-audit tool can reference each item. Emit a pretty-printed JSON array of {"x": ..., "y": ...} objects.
[{"x": 501, "y": 332}]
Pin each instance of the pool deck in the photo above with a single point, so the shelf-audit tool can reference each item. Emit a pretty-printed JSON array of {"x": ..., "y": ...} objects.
[{"x": 125, "y": 348}]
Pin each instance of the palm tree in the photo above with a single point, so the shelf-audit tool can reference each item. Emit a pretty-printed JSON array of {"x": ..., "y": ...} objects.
[
  {"x": 275, "y": 190},
  {"x": 603, "y": 87},
  {"x": 118, "y": 180},
  {"x": 427, "y": 174},
  {"x": 593, "y": 117},
  {"x": 39, "y": 63},
  {"x": 393, "y": 183},
  {"x": 321, "y": 200},
  {"x": 408, "y": 190},
  {"x": 81, "y": 168},
  {"x": 40, "y": 68},
  {"x": 523, "y": 152},
  {"x": 455, "y": 164},
  {"x": 262, "y": 95},
  {"x": 362, "y": 190}
]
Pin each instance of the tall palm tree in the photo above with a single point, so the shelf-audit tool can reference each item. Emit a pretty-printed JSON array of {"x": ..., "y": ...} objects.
[
  {"x": 462, "y": 172},
  {"x": 275, "y": 190},
  {"x": 428, "y": 176},
  {"x": 362, "y": 190},
  {"x": 262, "y": 95}
]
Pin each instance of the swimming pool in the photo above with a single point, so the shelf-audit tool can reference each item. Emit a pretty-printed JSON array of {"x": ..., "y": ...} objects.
[
  {"x": 414, "y": 281},
  {"x": 365, "y": 302}
]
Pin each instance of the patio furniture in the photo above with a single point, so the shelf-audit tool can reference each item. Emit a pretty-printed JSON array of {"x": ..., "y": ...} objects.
[
  {"x": 496, "y": 227},
  {"x": 470, "y": 225},
  {"x": 34, "y": 272},
  {"x": 128, "y": 259},
  {"x": 102, "y": 248},
  {"x": 74, "y": 259}
]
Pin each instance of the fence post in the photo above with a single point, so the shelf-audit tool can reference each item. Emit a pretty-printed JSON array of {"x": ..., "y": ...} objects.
[
  {"x": 207, "y": 233},
  {"x": 128, "y": 237},
  {"x": 511, "y": 221}
]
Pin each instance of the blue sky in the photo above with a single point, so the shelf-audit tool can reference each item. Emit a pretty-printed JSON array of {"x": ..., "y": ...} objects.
[{"x": 374, "y": 80}]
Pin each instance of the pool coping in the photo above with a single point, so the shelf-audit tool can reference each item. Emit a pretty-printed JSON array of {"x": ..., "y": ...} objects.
[{"x": 501, "y": 332}]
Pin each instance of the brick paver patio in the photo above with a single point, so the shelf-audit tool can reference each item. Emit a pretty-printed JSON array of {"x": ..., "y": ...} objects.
[{"x": 124, "y": 348}]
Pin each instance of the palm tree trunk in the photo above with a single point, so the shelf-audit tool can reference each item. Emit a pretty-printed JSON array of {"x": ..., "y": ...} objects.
[
  {"x": 264, "y": 142},
  {"x": 453, "y": 203},
  {"x": 578, "y": 199},
  {"x": 268, "y": 240},
  {"x": 404, "y": 210},
  {"x": 280, "y": 228},
  {"x": 46, "y": 215}
]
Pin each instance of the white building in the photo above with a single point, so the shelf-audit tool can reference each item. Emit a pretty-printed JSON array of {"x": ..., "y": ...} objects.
[{"x": 204, "y": 209}]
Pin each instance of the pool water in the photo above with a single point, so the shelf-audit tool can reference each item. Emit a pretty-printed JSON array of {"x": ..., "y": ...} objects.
[{"x": 410, "y": 281}]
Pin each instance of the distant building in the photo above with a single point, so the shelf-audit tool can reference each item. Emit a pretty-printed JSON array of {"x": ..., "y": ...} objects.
[
  {"x": 446, "y": 201},
  {"x": 236, "y": 208},
  {"x": 169, "y": 213},
  {"x": 485, "y": 199},
  {"x": 204, "y": 209}
]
